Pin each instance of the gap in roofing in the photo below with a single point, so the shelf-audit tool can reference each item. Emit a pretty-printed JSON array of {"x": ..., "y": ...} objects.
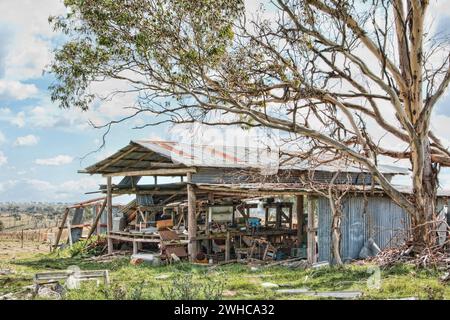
[{"x": 150, "y": 180}]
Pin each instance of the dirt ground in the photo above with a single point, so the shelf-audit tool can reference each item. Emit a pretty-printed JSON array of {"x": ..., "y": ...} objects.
[{"x": 12, "y": 249}]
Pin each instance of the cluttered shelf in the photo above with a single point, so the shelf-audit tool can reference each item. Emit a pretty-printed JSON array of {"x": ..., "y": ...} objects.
[{"x": 260, "y": 233}]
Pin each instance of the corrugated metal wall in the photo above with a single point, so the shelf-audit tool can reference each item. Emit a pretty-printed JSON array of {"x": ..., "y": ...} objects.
[
  {"x": 383, "y": 220},
  {"x": 218, "y": 175}
]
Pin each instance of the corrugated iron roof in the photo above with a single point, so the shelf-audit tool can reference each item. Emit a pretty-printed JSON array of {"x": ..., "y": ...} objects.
[
  {"x": 199, "y": 155},
  {"x": 149, "y": 154}
]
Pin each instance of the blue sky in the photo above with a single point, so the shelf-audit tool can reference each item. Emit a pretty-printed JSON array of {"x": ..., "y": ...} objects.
[{"x": 40, "y": 145}]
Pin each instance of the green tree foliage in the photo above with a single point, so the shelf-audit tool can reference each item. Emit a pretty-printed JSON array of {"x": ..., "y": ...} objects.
[{"x": 149, "y": 43}]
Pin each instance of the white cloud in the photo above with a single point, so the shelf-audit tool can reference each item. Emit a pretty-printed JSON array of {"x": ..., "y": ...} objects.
[
  {"x": 25, "y": 141},
  {"x": 11, "y": 89},
  {"x": 81, "y": 185},
  {"x": 18, "y": 119},
  {"x": 5, "y": 112},
  {"x": 7, "y": 185},
  {"x": 48, "y": 115},
  {"x": 39, "y": 185},
  {"x": 27, "y": 58},
  {"x": 2, "y": 138},
  {"x": 29, "y": 36},
  {"x": 3, "y": 159},
  {"x": 59, "y": 160},
  {"x": 25, "y": 189}
]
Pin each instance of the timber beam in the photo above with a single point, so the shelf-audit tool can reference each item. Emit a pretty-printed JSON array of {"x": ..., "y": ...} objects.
[{"x": 155, "y": 172}]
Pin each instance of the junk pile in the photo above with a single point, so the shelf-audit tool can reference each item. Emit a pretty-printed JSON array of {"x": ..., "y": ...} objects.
[
  {"x": 428, "y": 257},
  {"x": 261, "y": 249},
  {"x": 171, "y": 247}
]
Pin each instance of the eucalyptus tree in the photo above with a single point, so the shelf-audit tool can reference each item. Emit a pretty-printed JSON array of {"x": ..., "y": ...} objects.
[{"x": 337, "y": 74}]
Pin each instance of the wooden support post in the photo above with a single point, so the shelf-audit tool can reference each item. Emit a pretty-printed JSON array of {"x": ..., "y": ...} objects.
[
  {"x": 311, "y": 232},
  {"x": 227, "y": 247},
  {"x": 109, "y": 215},
  {"x": 97, "y": 219},
  {"x": 61, "y": 227},
  {"x": 208, "y": 214},
  {"x": 192, "y": 219},
  {"x": 233, "y": 215},
  {"x": 290, "y": 217},
  {"x": 96, "y": 225},
  {"x": 69, "y": 229},
  {"x": 211, "y": 198},
  {"x": 135, "y": 247},
  {"x": 300, "y": 217},
  {"x": 266, "y": 217},
  {"x": 278, "y": 216}
]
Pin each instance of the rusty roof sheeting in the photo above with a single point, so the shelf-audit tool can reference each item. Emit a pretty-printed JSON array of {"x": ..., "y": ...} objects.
[{"x": 149, "y": 154}]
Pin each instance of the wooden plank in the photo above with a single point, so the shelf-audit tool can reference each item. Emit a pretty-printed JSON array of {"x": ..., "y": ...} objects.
[
  {"x": 278, "y": 211},
  {"x": 48, "y": 277},
  {"x": 160, "y": 172},
  {"x": 61, "y": 228},
  {"x": 290, "y": 217},
  {"x": 143, "y": 240},
  {"x": 109, "y": 215},
  {"x": 141, "y": 165},
  {"x": 145, "y": 192},
  {"x": 97, "y": 218},
  {"x": 300, "y": 216},
  {"x": 69, "y": 228},
  {"x": 266, "y": 216},
  {"x": 311, "y": 248},
  {"x": 87, "y": 202},
  {"x": 227, "y": 247},
  {"x": 192, "y": 219}
]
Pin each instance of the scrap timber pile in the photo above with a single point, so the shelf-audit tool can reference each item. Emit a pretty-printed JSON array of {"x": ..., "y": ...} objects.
[{"x": 429, "y": 257}]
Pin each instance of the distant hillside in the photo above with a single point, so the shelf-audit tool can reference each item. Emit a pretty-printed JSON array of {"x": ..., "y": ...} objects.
[{"x": 31, "y": 207}]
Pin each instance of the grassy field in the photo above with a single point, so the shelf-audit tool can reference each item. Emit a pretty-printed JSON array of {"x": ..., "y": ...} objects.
[
  {"x": 235, "y": 281},
  {"x": 26, "y": 221}
]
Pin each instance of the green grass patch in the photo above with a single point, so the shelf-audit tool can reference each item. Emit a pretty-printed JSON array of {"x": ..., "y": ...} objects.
[{"x": 234, "y": 281}]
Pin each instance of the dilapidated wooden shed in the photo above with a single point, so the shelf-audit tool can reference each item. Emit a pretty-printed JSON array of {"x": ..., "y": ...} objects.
[{"x": 216, "y": 191}]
